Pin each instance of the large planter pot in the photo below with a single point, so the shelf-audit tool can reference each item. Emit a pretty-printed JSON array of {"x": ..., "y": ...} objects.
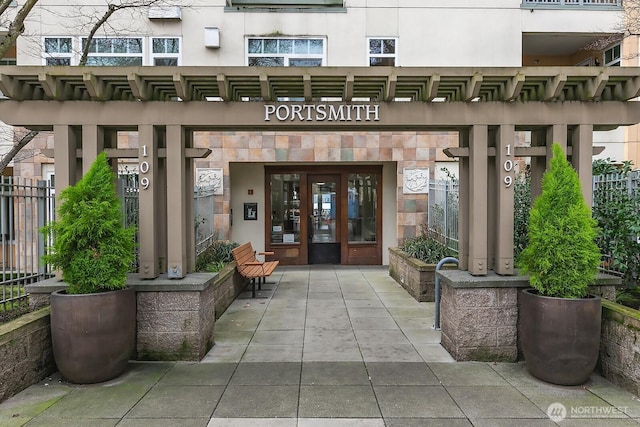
[
  {"x": 93, "y": 335},
  {"x": 560, "y": 337}
]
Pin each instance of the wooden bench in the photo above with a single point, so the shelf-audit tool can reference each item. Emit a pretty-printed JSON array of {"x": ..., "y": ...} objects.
[{"x": 250, "y": 267}]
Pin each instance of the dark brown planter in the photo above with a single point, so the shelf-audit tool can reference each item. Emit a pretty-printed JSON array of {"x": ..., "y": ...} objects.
[
  {"x": 560, "y": 337},
  {"x": 93, "y": 335}
]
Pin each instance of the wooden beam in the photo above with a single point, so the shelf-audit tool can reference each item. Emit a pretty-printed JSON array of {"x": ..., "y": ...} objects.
[
  {"x": 514, "y": 87},
  {"x": 306, "y": 81},
  {"x": 265, "y": 88},
  {"x": 473, "y": 87},
  {"x": 432, "y": 88},
  {"x": 390, "y": 87},
  {"x": 554, "y": 87},
  {"x": 348, "y": 88},
  {"x": 132, "y": 153},
  {"x": 596, "y": 85},
  {"x": 223, "y": 87}
]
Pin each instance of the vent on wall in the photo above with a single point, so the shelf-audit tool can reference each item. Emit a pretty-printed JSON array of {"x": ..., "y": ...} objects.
[
  {"x": 165, "y": 12},
  {"x": 212, "y": 37}
]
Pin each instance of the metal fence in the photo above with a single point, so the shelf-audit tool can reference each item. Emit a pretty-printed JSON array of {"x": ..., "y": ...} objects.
[
  {"x": 25, "y": 207},
  {"x": 203, "y": 209},
  {"x": 610, "y": 190},
  {"x": 443, "y": 212},
  {"x": 587, "y": 3}
]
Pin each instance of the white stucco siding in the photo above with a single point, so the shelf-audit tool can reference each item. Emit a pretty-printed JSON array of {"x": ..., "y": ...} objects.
[
  {"x": 570, "y": 21},
  {"x": 460, "y": 37}
]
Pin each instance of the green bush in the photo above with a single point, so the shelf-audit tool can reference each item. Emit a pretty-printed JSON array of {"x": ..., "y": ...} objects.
[
  {"x": 216, "y": 256},
  {"x": 561, "y": 258},
  {"x": 90, "y": 244},
  {"x": 426, "y": 248}
]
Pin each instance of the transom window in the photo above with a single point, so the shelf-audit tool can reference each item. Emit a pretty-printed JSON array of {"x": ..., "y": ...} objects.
[
  {"x": 121, "y": 51},
  {"x": 165, "y": 51},
  {"x": 612, "y": 56},
  {"x": 285, "y": 52},
  {"x": 382, "y": 51},
  {"x": 58, "y": 50}
]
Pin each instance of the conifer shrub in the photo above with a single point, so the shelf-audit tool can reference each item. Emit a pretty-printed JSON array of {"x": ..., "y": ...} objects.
[
  {"x": 561, "y": 257},
  {"x": 91, "y": 246}
]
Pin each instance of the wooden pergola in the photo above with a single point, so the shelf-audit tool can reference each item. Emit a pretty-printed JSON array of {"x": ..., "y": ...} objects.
[{"x": 85, "y": 106}]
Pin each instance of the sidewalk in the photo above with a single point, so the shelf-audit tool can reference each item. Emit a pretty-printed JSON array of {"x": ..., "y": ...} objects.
[{"x": 324, "y": 346}]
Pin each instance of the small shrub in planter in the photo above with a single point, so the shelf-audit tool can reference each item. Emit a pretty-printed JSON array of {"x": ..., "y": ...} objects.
[
  {"x": 93, "y": 321},
  {"x": 559, "y": 322},
  {"x": 216, "y": 256},
  {"x": 426, "y": 248}
]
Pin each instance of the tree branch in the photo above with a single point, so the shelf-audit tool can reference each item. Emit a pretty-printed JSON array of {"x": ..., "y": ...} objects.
[
  {"x": 16, "y": 27},
  {"x": 15, "y": 148}
]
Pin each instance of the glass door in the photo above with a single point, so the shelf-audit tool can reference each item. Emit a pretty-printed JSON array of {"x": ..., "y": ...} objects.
[{"x": 323, "y": 221}]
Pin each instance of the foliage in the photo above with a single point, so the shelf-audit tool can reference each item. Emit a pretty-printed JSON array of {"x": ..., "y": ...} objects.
[
  {"x": 521, "y": 207},
  {"x": 615, "y": 208},
  {"x": 90, "y": 245},
  {"x": 426, "y": 248},
  {"x": 608, "y": 166},
  {"x": 561, "y": 258},
  {"x": 216, "y": 256}
]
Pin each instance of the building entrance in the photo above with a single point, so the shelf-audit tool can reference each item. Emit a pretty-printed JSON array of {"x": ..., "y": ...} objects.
[
  {"x": 325, "y": 214},
  {"x": 323, "y": 227}
]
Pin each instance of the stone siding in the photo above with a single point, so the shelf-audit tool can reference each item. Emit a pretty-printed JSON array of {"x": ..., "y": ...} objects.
[
  {"x": 619, "y": 352},
  {"x": 480, "y": 324},
  {"x": 479, "y": 314},
  {"x": 417, "y": 277},
  {"x": 26, "y": 355},
  {"x": 227, "y": 286}
]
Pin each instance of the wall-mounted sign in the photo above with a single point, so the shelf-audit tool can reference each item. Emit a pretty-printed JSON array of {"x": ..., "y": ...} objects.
[
  {"x": 415, "y": 181},
  {"x": 322, "y": 112},
  {"x": 210, "y": 177},
  {"x": 250, "y": 211}
]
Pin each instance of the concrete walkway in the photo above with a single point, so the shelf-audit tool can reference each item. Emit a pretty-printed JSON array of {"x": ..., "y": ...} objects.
[{"x": 324, "y": 346}]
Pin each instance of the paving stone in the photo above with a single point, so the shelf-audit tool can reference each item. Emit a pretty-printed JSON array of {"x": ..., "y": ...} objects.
[
  {"x": 466, "y": 373},
  {"x": 494, "y": 402},
  {"x": 397, "y": 373},
  {"x": 256, "y": 401},
  {"x": 407, "y": 401},
  {"x": 338, "y": 402},
  {"x": 177, "y": 401},
  {"x": 190, "y": 373},
  {"x": 268, "y": 373},
  {"x": 334, "y": 373}
]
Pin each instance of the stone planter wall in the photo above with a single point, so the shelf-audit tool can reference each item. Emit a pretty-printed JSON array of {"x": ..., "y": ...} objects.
[
  {"x": 619, "y": 346},
  {"x": 479, "y": 314},
  {"x": 175, "y": 318},
  {"x": 26, "y": 355},
  {"x": 416, "y": 276}
]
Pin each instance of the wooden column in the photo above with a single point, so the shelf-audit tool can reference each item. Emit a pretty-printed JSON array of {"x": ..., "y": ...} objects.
[
  {"x": 190, "y": 209},
  {"x": 504, "y": 185},
  {"x": 463, "y": 200},
  {"x": 66, "y": 165},
  {"x": 177, "y": 211},
  {"x": 92, "y": 145},
  {"x": 582, "y": 158},
  {"x": 478, "y": 154},
  {"x": 149, "y": 204},
  {"x": 538, "y": 164}
]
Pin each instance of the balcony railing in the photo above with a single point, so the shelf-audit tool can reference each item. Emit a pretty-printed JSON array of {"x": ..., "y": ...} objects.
[{"x": 571, "y": 3}]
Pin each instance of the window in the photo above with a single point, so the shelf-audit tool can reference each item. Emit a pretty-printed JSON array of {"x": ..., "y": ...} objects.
[
  {"x": 285, "y": 52},
  {"x": 58, "y": 50},
  {"x": 285, "y": 208},
  {"x": 284, "y": 3},
  {"x": 362, "y": 202},
  {"x": 114, "y": 51},
  {"x": 382, "y": 51},
  {"x": 165, "y": 51},
  {"x": 612, "y": 56}
]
